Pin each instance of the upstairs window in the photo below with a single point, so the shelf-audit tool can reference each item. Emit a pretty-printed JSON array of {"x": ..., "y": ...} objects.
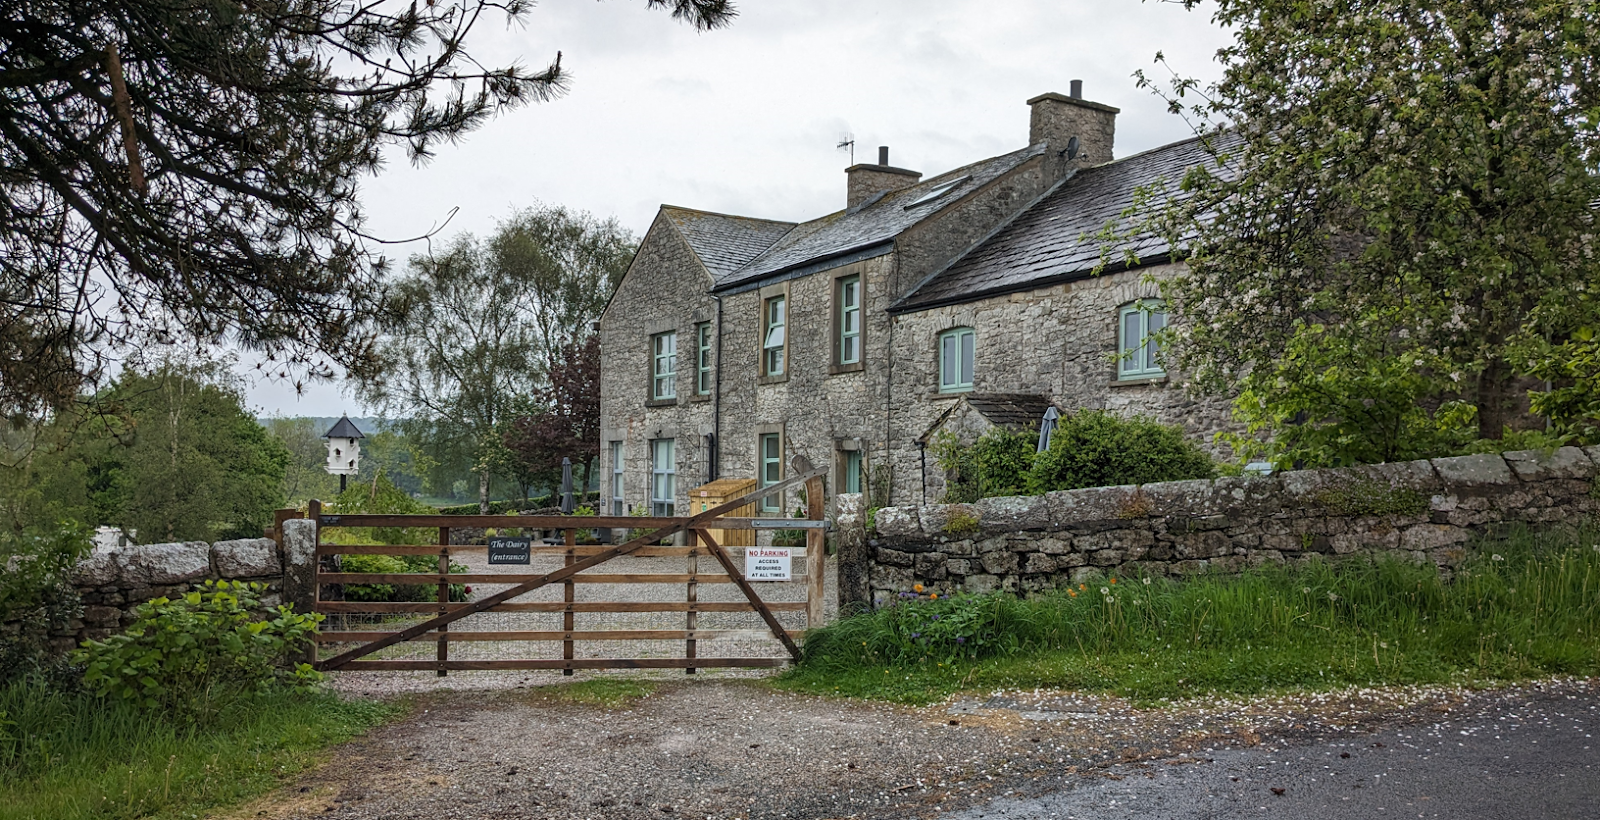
[
  {"x": 848, "y": 299},
  {"x": 702, "y": 359},
  {"x": 1137, "y": 349},
  {"x": 664, "y": 370},
  {"x": 956, "y": 354},
  {"x": 774, "y": 338}
]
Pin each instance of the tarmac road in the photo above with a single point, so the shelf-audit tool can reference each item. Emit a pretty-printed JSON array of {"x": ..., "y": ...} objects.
[{"x": 1523, "y": 759}]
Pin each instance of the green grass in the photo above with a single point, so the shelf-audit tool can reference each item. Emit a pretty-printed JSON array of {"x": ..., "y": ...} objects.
[
  {"x": 1526, "y": 605},
  {"x": 608, "y": 693},
  {"x": 69, "y": 756}
]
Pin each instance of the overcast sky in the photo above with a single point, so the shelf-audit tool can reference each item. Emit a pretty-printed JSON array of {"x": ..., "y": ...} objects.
[{"x": 745, "y": 120}]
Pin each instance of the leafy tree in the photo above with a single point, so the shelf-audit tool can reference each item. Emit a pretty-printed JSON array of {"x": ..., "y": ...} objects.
[
  {"x": 167, "y": 452},
  {"x": 1402, "y": 190},
  {"x": 191, "y": 167},
  {"x": 306, "y": 475},
  {"x": 568, "y": 426},
  {"x": 469, "y": 345}
]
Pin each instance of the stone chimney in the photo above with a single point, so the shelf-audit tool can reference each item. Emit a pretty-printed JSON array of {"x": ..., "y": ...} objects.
[
  {"x": 1079, "y": 132},
  {"x": 864, "y": 180}
]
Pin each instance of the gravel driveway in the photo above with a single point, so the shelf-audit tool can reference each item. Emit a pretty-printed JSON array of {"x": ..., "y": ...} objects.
[{"x": 728, "y": 748}]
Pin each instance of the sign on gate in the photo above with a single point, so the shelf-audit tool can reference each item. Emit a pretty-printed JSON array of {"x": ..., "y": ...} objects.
[
  {"x": 509, "y": 550},
  {"x": 767, "y": 563}
]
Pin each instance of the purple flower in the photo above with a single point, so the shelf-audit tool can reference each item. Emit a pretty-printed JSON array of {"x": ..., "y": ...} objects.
[
  {"x": 936, "y": 617},
  {"x": 916, "y": 634},
  {"x": 960, "y": 639}
]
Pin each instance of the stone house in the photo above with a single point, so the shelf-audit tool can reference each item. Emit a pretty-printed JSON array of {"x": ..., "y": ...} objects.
[{"x": 734, "y": 343}]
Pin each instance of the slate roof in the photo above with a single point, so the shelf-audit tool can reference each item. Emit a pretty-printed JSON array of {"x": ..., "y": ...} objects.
[
  {"x": 1053, "y": 240},
  {"x": 343, "y": 428},
  {"x": 873, "y": 223},
  {"x": 1014, "y": 410},
  {"x": 725, "y": 243}
]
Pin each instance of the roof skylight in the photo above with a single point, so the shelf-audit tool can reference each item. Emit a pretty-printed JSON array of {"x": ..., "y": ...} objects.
[{"x": 937, "y": 192}]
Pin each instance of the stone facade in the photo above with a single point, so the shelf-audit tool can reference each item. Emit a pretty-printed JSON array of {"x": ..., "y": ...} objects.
[
  {"x": 112, "y": 582},
  {"x": 1059, "y": 342},
  {"x": 697, "y": 270},
  {"x": 1423, "y": 511}
]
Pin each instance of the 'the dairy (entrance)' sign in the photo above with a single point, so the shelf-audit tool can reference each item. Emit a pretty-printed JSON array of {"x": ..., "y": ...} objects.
[{"x": 767, "y": 563}]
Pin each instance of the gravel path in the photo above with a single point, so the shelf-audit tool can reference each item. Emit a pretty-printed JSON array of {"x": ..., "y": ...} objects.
[{"x": 739, "y": 749}]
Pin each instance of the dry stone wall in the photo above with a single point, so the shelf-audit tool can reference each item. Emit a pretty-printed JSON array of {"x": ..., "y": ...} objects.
[
  {"x": 1424, "y": 511},
  {"x": 112, "y": 582}
]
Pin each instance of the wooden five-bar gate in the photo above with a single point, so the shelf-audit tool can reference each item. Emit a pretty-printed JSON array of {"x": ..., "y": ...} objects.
[{"x": 357, "y": 630}]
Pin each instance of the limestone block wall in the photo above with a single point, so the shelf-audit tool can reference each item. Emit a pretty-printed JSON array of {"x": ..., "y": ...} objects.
[
  {"x": 1423, "y": 511},
  {"x": 112, "y": 582}
]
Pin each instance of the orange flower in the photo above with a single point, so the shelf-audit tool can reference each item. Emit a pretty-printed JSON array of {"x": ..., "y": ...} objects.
[
  {"x": 916, "y": 587},
  {"x": 1113, "y": 580},
  {"x": 933, "y": 596},
  {"x": 1083, "y": 586},
  {"x": 1072, "y": 592}
]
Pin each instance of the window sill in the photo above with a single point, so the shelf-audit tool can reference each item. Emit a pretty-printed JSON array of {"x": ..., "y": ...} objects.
[
  {"x": 660, "y": 402},
  {"x": 949, "y": 394},
  {"x": 1141, "y": 381},
  {"x": 836, "y": 369},
  {"x": 700, "y": 397},
  {"x": 772, "y": 379}
]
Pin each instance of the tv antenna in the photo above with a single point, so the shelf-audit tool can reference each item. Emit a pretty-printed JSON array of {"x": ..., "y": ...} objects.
[{"x": 848, "y": 143}]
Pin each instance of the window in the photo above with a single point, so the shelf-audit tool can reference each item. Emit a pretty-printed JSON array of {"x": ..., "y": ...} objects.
[
  {"x": 663, "y": 477},
  {"x": 955, "y": 360},
  {"x": 702, "y": 359},
  {"x": 773, "y": 338},
  {"x": 847, "y": 297},
  {"x": 618, "y": 506},
  {"x": 1137, "y": 352},
  {"x": 771, "y": 453},
  {"x": 851, "y": 478},
  {"x": 664, "y": 371}
]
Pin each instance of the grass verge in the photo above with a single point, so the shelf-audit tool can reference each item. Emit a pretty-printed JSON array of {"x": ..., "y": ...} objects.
[
  {"x": 1525, "y": 605},
  {"x": 607, "y": 693},
  {"x": 67, "y": 756}
]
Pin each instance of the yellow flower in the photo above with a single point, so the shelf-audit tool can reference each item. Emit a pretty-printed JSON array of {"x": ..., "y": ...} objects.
[{"x": 916, "y": 588}]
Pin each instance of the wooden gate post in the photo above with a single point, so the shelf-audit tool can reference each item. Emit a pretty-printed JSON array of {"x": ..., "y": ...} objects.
[
  {"x": 692, "y": 620},
  {"x": 443, "y": 651},
  {"x": 569, "y": 537},
  {"x": 816, "y": 554}
]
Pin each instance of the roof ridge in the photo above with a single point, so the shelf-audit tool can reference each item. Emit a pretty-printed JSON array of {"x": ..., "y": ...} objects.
[{"x": 703, "y": 212}]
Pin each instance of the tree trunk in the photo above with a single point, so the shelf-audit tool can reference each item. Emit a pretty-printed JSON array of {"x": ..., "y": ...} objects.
[
  {"x": 1496, "y": 400},
  {"x": 483, "y": 493}
]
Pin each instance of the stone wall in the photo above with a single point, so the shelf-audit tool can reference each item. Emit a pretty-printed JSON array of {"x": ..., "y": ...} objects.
[
  {"x": 111, "y": 582},
  {"x": 1423, "y": 511}
]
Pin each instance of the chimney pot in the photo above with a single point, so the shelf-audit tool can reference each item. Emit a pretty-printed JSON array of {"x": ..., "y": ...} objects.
[
  {"x": 1077, "y": 90},
  {"x": 883, "y": 155}
]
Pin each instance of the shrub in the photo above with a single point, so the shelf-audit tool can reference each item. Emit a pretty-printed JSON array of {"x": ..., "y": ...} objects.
[
  {"x": 34, "y": 591},
  {"x": 996, "y": 464},
  {"x": 1096, "y": 448},
  {"x": 183, "y": 651},
  {"x": 397, "y": 564},
  {"x": 381, "y": 497}
]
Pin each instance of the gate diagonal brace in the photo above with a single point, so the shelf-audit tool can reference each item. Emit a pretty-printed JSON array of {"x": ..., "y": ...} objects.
[
  {"x": 695, "y": 522},
  {"x": 750, "y": 592}
]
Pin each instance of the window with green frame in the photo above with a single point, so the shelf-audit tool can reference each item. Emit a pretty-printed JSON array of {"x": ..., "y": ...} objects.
[
  {"x": 956, "y": 354},
  {"x": 702, "y": 359},
  {"x": 664, "y": 365},
  {"x": 848, "y": 299},
  {"x": 851, "y": 482},
  {"x": 774, "y": 336},
  {"x": 1138, "y": 353},
  {"x": 771, "y": 452},
  {"x": 663, "y": 477}
]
